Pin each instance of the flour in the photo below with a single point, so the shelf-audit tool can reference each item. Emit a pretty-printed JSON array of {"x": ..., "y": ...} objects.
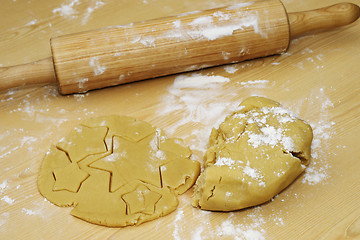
[
  {"x": 8, "y": 200},
  {"x": 28, "y": 211},
  {"x": 32, "y": 22},
  {"x": 271, "y": 136},
  {"x": 222, "y": 16},
  {"x": 4, "y": 217},
  {"x": 215, "y": 26},
  {"x": 89, "y": 10},
  {"x": 189, "y": 97},
  {"x": 3, "y": 185},
  {"x": 230, "y": 69},
  {"x": 177, "y": 23},
  {"x": 197, "y": 234},
  {"x": 67, "y": 10},
  {"x": 199, "y": 81},
  {"x": 252, "y": 231},
  {"x": 254, "y": 174},
  {"x": 206, "y": 28},
  {"x": 222, "y": 161},
  {"x": 323, "y": 130},
  {"x": 255, "y": 84},
  {"x": 97, "y": 67},
  {"x": 148, "y": 41},
  {"x": 179, "y": 217}
]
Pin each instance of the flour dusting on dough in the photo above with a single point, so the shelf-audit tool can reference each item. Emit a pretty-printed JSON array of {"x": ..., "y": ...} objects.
[{"x": 224, "y": 161}]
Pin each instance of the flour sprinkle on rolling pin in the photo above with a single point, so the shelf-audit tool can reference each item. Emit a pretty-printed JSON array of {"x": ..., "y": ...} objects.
[{"x": 121, "y": 54}]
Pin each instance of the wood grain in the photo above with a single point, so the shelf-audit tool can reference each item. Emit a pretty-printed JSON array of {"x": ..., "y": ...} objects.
[
  {"x": 318, "y": 78},
  {"x": 323, "y": 19}
]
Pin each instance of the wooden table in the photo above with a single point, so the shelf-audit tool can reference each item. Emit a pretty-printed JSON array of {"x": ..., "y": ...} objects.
[{"x": 318, "y": 78}]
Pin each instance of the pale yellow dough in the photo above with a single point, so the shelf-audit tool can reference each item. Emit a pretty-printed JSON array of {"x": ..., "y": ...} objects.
[
  {"x": 117, "y": 171},
  {"x": 254, "y": 154}
]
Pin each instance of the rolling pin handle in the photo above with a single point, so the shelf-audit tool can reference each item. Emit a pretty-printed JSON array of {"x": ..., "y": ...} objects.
[
  {"x": 35, "y": 73},
  {"x": 323, "y": 19}
]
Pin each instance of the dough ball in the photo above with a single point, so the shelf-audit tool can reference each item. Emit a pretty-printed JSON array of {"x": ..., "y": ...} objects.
[
  {"x": 254, "y": 154},
  {"x": 117, "y": 171}
]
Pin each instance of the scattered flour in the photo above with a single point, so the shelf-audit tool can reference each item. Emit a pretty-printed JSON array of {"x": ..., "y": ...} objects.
[
  {"x": 189, "y": 97},
  {"x": 30, "y": 212},
  {"x": 8, "y": 200},
  {"x": 89, "y": 10},
  {"x": 230, "y": 69},
  {"x": 4, "y": 217},
  {"x": 255, "y": 84},
  {"x": 179, "y": 217},
  {"x": 271, "y": 136},
  {"x": 222, "y": 161},
  {"x": 197, "y": 80},
  {"x": 204, "y": 27},
  {"x": 3, "y": 186},
  {"x": 197, "y": 234},
  {"x": 67, "y": 10},
  {"x": 251, "y": 231},
  {"x": 323, "y": 130},
  {"x": 97, "y": 67},
  {"x": 32, "y": 22}
]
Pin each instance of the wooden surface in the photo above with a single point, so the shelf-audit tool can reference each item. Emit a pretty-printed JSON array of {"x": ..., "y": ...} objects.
[{"x": 318, "y": 78}]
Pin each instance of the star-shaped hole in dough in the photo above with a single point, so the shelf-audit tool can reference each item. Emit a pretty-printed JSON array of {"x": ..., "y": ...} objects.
[
  {"x": 130, "y": 161},
  {"x": 141, "y": 200},
  {"x": 84, "y": 141},
  {"x": 69, "y": 178}
]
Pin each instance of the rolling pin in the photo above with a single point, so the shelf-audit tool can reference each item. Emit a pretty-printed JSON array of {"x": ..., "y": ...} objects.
[{"x": 122, "y": 54}]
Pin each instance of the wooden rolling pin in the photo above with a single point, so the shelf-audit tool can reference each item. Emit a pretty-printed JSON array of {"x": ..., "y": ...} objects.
[{"x": 121, "y": 54}]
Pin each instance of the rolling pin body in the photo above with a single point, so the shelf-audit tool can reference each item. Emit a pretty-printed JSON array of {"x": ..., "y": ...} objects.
[{"x": 122, "y": 54}]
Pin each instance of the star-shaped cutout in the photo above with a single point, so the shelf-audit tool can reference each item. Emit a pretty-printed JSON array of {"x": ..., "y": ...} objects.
[
  {"x": 130, "y": 161},
  {"x": 84, "y": 141},
  {"x": 141, "y": 200},
  {"x": 69, "y": 178}
]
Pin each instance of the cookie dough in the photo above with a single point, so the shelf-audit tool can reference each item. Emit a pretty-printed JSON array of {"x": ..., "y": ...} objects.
[
  {"x": 254, "y": 154},
  {"x": 117, "y": 171}
]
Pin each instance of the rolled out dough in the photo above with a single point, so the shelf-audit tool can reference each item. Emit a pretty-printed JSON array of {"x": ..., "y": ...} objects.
[
  {"x": 117, "y": 171},
  {"x": 254, "y": 154}
]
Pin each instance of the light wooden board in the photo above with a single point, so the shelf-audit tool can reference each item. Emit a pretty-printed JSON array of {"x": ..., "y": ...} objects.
[{"x": 318, "y": 78}]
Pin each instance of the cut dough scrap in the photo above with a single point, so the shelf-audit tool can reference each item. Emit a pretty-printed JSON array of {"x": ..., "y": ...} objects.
[
  {"x": 117, "y": 171},
  {"x": 254, "y": 154}
]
